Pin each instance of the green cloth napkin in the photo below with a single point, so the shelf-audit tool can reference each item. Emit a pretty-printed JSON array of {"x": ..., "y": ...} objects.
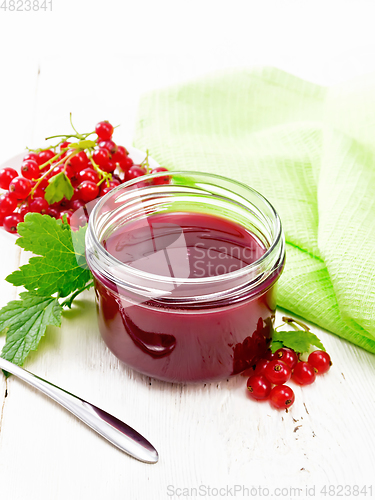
[{"x": 311, "y": 151}]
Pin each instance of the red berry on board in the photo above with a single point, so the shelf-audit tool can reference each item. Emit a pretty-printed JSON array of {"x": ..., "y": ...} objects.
[
  {"x": 109, "y": 145},
  {"x": 259, "y": 387},
  {"x": 321, "y": 361},
  {"x": 260, "y": 366},
  {"x": 10, "y": 222},
  {"x": 104, "y": 130},
  {"x": 7, "y": 174},
  {"x": 270, "y": 355},
  {"x": 303, "y": 373},
  {"x": 120, "y": 155},
  {"x": 282, "y": 397},
  {"x": 8, "y": 203},
  {"x": 39, "y": 205},
  {"x": 88, "y": 191},
  {"x": 30, "y": 169},
  {"x": 134, "y": 172},
  {"x": 20, "y": 187},
  {"x": 288, "y": 356},
  {"x": 277, "y": 372},
  {"x": 126, "y": 164},
  {"x": 88, "y": 174},
  {"x": 101, "y": 157}
]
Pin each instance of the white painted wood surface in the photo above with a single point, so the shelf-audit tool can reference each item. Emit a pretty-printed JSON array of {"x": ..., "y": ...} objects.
[{"x": 210, "y": 435}]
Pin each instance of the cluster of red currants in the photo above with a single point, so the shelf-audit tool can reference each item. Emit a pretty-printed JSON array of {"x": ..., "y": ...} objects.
[
  {"x": 92, "y": 173},
  {"x": 271, "y": 373}
]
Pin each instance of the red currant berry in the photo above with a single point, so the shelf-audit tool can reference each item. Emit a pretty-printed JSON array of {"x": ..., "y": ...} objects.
[
  {"x": 260, "y": 366},
  {"x": 120, "y": 155},
  {"x": 7, "y": 174},
  {"x": 39, "y": 192},
  {"x": 126, "y": 164},
  {"x": 76, "y": 204},
  {"x": 53, "y": 212},
  {"x": 8, "y": 202},
  {"x": 134, "y": 172},
  {"x": 104, "y": 130},
  {"x": 67, "y": 213},
  {"x": 259, "y": 387},
  {"x": 45, "y": 156},
  {"x": 110, "y": 167},
  {"x": 64, "y": 145},
  {"x": 321, "y": 361},
  {"x": 88, "y": 191},
  {"x": 24, "y": 209},
  {"x": 270, "y": 355},
  {"x": 11, "y": 221},
  {"x": 109, "y": 145},
  {"x": 30, "y": 169},
  {"x": 20, "y": 187},
  {"x": 104, "y": 189},
  {"x": 39, "y": 205},
  {"x": 288, "y": 356},
  {"x": 77, "y": 162},
  {"x": 31, "y": 156},
  {"x": 88, "y": 174},
  {"x": 303, "y": 373},
  {"x": 69, "y": 172},
  {"x": 282, "y": 397},
  {"x": 277, "y": 372},
  {"x": 160, "y": 180},
  {"x": 101, "y": 157}
]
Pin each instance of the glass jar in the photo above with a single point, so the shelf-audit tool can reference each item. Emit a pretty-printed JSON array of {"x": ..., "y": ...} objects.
[{"x": 154, "y": 313}]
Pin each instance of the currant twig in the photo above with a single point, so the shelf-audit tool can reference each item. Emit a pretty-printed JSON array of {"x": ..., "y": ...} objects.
[
  {"x": 38, "y": 182},
  {"x": 289, "y": 320}
]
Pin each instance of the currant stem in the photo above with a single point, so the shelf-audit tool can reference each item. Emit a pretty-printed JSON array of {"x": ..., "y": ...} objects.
[
  {"x": 50, "y": 170},
  {"x": 105, "y": 175},
  {"x": 76, "y": 131},
  {"x": 69, "y": 300},
  {"x": 289, "y": 320}
]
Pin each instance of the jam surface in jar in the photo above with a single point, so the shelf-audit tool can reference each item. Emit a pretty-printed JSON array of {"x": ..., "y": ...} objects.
[{"x": 202, "y": 342}]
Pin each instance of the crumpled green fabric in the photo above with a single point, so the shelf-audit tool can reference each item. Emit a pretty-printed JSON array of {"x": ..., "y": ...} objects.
[{"x": 311, "y": 151}]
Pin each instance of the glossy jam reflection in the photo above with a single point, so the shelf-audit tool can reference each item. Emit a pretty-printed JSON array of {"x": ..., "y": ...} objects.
[{"x": 193, "y": 343}]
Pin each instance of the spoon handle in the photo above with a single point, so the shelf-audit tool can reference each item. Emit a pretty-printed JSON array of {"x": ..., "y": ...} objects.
[{"x": 108, "y": 426}]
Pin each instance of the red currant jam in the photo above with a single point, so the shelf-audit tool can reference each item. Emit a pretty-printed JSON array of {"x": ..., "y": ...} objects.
[{"x": 188, "y": 330}]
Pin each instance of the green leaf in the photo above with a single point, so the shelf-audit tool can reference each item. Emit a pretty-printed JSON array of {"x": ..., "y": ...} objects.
[
  {"x": 25, "y": 322},
  {"x": 276, "y": 344},
  {"x": 58, "y": 187},
  {"x": 84, "y": 144},
  {"x": 297, "y": 340},
  {"x": 61, "y": 267}
]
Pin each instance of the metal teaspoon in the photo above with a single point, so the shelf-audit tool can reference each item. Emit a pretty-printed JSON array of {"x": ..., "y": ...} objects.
[{"x": 108, "y": 426}]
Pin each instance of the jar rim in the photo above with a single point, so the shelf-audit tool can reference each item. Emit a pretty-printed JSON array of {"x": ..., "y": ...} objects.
[{"x": 278, "y": 238}]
